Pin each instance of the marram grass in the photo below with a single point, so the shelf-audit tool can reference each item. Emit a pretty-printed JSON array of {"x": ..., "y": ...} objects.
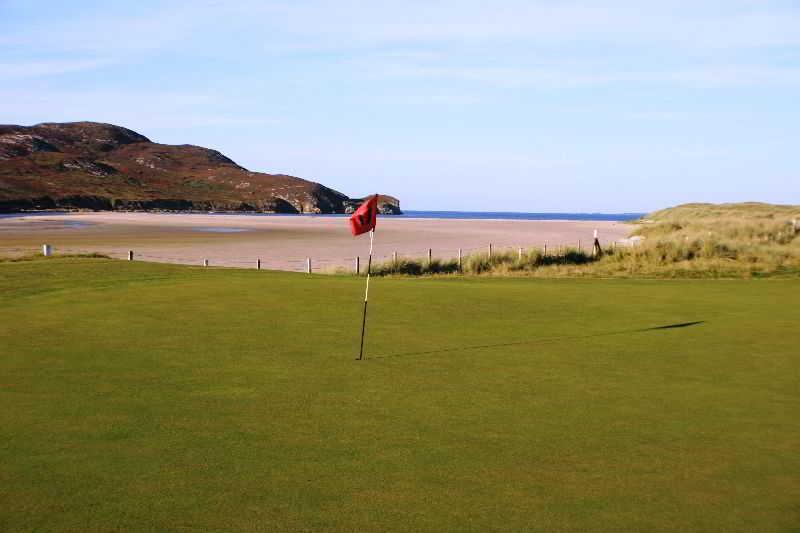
[{"x": 694, "y": 240}]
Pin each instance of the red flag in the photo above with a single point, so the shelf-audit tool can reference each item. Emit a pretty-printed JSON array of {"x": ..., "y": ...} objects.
[{"x": 365, "y": 217}]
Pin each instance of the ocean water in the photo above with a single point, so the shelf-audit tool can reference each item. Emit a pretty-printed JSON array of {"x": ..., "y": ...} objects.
[
  {"x": 453, "y": 215},
  {"x": 480, "y": 215},
  {"x": 506, "y": 215}
]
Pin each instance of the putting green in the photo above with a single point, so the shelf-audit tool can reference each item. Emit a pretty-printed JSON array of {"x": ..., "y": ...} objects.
[{"x": 144, "y": 396}]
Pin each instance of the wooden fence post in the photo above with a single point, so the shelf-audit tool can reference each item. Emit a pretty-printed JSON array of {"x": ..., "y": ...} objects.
[
  {"x": 597, "y": 251},
  {"x": 520, "y": 254},
  {"x": 430, "y": 256},
  {"x": 308, "y": 265},
  {"x": 545, "y": 249},
  {"x": 394, "y": 257},
  {"x": 205, "y": 262},
  {"x": 358, "y": 265},
  {"x": 459, "y": 259},
  {"x": 130, "y": 255},
  {"x": 490, "y": 250},
  {"x": 258, "y": 264}
]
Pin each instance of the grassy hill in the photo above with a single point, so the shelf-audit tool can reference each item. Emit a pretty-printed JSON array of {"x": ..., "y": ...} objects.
[
  {"x": 155, "y": 397},
  {"x": 90, "y": 165},
  {"x": 718, "y": 239}
]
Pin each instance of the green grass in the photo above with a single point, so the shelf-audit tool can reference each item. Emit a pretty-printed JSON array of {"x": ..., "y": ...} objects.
[{"x": 156, "y": 397}]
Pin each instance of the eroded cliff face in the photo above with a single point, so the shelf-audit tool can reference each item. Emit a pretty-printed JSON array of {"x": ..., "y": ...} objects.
[
  {"x": 387, "y": 205},
  {"x": 88, "y": 165}
]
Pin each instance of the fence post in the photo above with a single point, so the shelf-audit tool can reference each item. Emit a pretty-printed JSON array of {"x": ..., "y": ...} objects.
[
  {"x": 308, "y": 265},
  {"x": 394, "y": 257},
  {"x": 459, "y": 259},
  {"x": 794, "y": 225},
  {"x": 130, "y": 255},
  {"x": 430, "y": 256},
  {"x": 258, "y": 264},
  {"x": 520, "y": 254},
  {"x": 358, "y": 265},
  {"x": 545, "y": 249},
  {"x": 47, "y": 250},
  {"x": 580, "y": 249},
  {"x": 597, "y": 251},
  {"x": 490, "y": 250},
  {"x": 205, "y": 262}
]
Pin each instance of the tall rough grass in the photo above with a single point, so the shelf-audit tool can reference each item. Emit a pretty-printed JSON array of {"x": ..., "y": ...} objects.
[
  {"x": 692, "y": 240},
  {"x": 499, "y": 263},
  {"x": 39, "y": 256}
]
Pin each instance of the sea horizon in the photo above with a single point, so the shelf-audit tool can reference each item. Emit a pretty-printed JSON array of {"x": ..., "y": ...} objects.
[
  {"x": 519, "y": 215},
  {"x": 411, "y": 213}
]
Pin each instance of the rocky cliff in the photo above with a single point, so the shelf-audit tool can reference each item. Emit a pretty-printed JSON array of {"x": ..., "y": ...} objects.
[{"x": 88, "y": 165}]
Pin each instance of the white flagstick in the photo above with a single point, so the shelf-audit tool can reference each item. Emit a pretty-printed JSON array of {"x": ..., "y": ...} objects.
[{"x": 366, "y": 295}]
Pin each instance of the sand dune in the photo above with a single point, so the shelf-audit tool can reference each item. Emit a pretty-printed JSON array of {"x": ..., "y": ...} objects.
[{"x": 283, "y": 242}]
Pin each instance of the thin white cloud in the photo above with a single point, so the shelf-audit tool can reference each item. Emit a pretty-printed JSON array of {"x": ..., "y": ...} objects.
[
  {"x": 31, "y": 69},
  {"x": 674, "y": 23},
  {"x": 352, "y": 25},
  {"x": 574, "y": 76},
  {"x": 141, "y": 110}
]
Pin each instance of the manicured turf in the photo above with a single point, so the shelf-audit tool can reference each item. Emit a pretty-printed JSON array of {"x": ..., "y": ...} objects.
[{"x": 143, "y": 396}]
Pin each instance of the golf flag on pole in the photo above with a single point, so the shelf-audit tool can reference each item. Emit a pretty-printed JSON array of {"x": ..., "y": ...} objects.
[
  {"x": 365, "y": 217},
  {"x": 364, "y": 220}
]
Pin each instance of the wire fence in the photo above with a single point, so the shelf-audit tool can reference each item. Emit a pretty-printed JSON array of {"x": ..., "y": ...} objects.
[{"x": 309, "y": 263}]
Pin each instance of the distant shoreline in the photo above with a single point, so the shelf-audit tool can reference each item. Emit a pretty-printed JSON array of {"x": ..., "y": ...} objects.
[
  {"x": 407, "y": 214},
  {"x": 285, "y": 242}
]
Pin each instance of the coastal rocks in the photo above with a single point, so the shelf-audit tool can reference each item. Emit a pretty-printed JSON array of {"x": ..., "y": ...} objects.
[
  {"x": 387, "y": 205},
  {"x": 94, "y": 168},
  {"x": 14, "y": 144}
]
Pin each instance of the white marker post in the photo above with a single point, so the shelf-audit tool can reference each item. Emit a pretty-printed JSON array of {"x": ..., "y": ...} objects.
[{"x": 596, "y": 250}]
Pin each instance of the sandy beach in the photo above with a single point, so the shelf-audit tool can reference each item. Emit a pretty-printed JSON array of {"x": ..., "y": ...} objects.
[{"x": 283, "y": 242}]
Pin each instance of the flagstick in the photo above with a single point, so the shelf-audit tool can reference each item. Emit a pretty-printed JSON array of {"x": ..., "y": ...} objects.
[{"x": 366, "y": 296}]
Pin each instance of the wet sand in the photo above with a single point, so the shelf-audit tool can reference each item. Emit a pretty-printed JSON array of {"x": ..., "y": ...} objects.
[{"x": 283, "y": 242}]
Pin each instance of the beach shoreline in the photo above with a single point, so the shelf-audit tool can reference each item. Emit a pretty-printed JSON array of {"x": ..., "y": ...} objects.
[{"x": 285, "y": 242}]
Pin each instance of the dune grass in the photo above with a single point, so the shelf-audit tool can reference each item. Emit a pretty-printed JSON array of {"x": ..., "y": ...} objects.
[
  {"x": 689, "y": 241},
  {"x": 38, "y": 256},
  {"x": 157, "y": 397}
]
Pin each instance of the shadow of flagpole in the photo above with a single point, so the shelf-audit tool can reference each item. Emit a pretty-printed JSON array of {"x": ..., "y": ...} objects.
[{"x": 543, "y": 340}]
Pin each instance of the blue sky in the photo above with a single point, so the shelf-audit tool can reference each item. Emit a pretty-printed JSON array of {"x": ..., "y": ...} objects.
[{"x": 465, "y": 105}]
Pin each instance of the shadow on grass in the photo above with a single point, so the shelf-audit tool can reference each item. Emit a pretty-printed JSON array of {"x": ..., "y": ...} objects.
[
  {"x": 539, "y": 341},
  {"x": 673, "y": 326}
]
